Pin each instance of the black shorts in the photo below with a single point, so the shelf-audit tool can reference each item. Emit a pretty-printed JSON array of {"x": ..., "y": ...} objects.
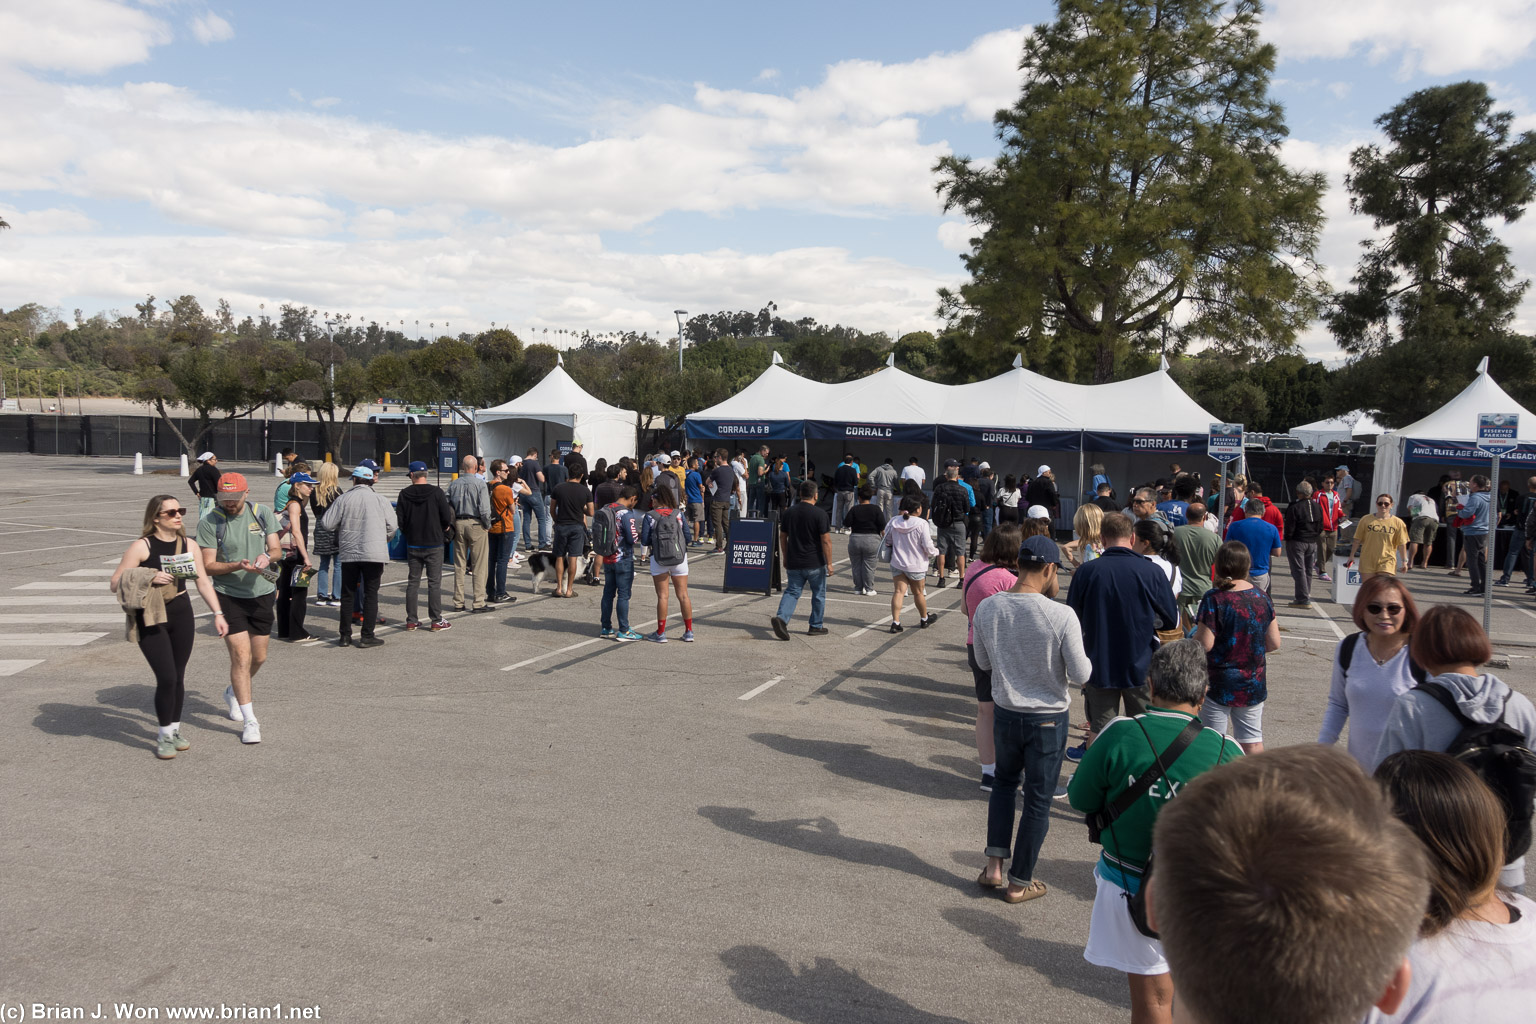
[
  {"x": 251, "y": 615},
  {"x": 570, "y": 540},
  {"x": 983, "y": 677}
]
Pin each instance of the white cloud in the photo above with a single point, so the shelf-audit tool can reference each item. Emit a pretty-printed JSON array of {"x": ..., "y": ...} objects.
[
  {"x": 82, "y": 36},
  {"x": 48, "y": 222},
  {"x": 1436, "y": 37},
  {"x": 767, "y": 75},
  {"x": 325, "y": 101},
  {"x": 210, "y": 28},
  {"x": 1340, "y": 89},
  {"x": 956, "y": 235}
]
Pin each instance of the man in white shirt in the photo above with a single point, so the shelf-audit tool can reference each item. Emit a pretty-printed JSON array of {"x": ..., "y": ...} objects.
[
  {"x": 914, "y": 472},
  {"x": 1423, "y": 523}
]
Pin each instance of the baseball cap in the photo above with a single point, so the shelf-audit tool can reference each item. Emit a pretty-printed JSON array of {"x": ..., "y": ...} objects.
[
  {"x": 1037, "y": 512},
  {"x": 362, "y": 473},
  {"x": 1039, "y": 551},
  {"x": 302, "y": 478},
  {"x": 985, "y": 465},
  {"x": 951, "y": 462},
  {"x": 374, "y": 466},
  {"x": 205, "y": 456},
  {"x": 233, "y": 483},
  {"x": 662, "y": 460},
  {"x": 1042, "y": 471},
  {"x": 516, "y": 460},
  {"x": 676, "y": 453},
  {"x": 417, "y": 467},
  {"x": 1341, "y": 466}
]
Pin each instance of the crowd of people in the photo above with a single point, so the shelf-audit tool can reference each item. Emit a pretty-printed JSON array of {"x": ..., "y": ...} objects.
[{"x": 1384, "y": 880}]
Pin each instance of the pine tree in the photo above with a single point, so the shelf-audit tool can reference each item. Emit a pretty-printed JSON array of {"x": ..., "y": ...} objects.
[{"x": 1140, "y": 187}]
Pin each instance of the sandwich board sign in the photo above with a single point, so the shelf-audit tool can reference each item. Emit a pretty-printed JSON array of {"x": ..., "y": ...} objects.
[
  {"x": 1497, "y": 432},
  {"x": 1225, "y": 442}
]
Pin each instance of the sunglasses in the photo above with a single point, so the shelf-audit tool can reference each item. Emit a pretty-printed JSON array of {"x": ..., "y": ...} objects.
[
  {"x": 1383, "y": 504},
  {"x": 173, "y": 511},
  {"x": 1390, "y": 609}
]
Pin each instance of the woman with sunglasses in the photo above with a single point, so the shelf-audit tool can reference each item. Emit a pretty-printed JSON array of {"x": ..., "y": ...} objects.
[
  {"x": 1371, "y": 667},
  {"x": 163, "y": 545},
  {"x": 1381, "y": 540}
]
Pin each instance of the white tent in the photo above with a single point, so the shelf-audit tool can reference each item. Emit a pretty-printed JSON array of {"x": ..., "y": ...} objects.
[
  {"x": 553, "y": 410},
  {"x": 1351, "y": 426},
  {"x": 1448, "y": 436}
]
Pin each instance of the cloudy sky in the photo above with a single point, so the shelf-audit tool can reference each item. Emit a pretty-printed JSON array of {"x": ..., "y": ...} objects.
[{"x": 588, "y": 166}]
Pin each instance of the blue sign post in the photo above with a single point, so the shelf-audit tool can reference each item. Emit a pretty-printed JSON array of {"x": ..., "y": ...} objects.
[
  {"x": 750, "y": 556},
  {"x": 1224, "y": 443},
  {"x": 447, "y": 456},
  {"x": 1497, "y": 434}
]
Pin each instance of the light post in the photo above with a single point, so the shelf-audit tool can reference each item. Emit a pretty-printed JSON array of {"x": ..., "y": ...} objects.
[{"x": 679, "y": 313}]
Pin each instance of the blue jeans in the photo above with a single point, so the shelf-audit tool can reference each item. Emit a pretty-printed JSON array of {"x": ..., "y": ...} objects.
[
  {"x": 1517, "y": 555},
  {"x": 1030, "y": 745},
  {"x": 328, "y": 582},
  {"x": 534, "y": 508},
  {"x": 618, "y": 580},
  {"x": 794, "y": 582},
  {"x": 500, "y": 551},
  {"x": 988, "y": 520}
]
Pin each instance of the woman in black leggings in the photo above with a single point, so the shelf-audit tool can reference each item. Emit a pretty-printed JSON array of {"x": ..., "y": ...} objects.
[{"x": 163, "y": 546}]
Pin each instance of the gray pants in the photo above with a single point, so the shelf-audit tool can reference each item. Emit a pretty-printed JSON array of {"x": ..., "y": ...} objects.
[
  {"x": 1303, "y": 556},
  {"x": 842, "y": 501},
  {"x": 429, "y": 561},
  {"x": 887, "y": 503},
  {"x": 863, "y": 555},
  {"x": 1477, "y": 559}
]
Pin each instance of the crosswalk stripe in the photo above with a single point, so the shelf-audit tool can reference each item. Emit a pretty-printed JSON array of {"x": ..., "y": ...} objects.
[
  {"x": 50, "y": 639},
  {"x": 88, "y": 572},
  {"x": 72, "y": 600},
  {"x": 45, "y": 618},
  {"x": 53, "y": 585},
  {"x": 10, "y": 667}
]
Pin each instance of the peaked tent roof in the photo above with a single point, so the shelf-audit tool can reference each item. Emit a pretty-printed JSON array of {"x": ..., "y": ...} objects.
[
  {"x": 1456, "y": 420},
  {"x": 776, "y": 394},
  {"x": 557, "y": 398}
]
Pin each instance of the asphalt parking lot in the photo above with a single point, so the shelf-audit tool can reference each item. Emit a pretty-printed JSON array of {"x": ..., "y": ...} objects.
[{"x": 515, "y": 821}]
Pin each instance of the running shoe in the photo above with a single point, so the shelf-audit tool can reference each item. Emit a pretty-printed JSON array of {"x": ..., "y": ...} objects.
[
  {"x": 655, "y": 638},
  {"x": 986, "y": 782},
  {"x": 687, "y": 636},
  {"x": 1325, "y": 577},
  {"x": 234, "y": 705},
  {"x": 370, "y": 641},
  {"x": 897, "y": 627},
  {"x": 629, "y": 636},
  {"x": 817, "y": 631},
  {"x": 1501, "y": 583},
  {"x": 607, "y": 634},
  {"x": 440, "y": 625},
  {"x": 412, "y": 625},
  {"x": 181, "y": 744},
  {"x": 165, "y": 748},
  {"x": 1060, "y": 794},
  {"x": 928, "y": 620},
  {"x": 780, "y": 627},
  {"x": 252, "y": 731},
  {"x": 1075, "y": 754},
  {"x": 940, "y": 585}
]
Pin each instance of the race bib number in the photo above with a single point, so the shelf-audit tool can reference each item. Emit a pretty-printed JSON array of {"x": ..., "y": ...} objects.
[{"x": 180, "y": 566}]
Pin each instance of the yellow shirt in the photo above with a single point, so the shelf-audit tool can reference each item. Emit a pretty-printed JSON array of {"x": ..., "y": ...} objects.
[{"x": 1379, "y": 540}]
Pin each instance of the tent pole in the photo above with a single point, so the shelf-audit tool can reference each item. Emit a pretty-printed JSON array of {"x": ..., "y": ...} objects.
[{"x": 1082, "y": 440}]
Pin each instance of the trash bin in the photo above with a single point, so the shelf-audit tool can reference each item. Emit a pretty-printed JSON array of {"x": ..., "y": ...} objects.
[{"x": 1346, "y": 581}]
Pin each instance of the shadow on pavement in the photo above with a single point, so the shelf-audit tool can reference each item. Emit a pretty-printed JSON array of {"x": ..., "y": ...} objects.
[
  {"x": 856, "y": 761},
  {"x": 123, "y": 714},
  {"x": 954, "y": 733},
  {"x": 1061, "y": 963},
  {"x": 905, "y": 702},
  {"x": 822, "y": 993},
  {"x": 823, "y": 838}
]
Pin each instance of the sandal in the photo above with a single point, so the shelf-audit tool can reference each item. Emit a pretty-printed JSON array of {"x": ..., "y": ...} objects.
[
  {"x": 1033, "y": 891},
  {"x": 986, "y": 883}
]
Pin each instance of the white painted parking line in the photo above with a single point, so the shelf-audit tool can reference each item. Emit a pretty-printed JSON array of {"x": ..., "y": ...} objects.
[
  {"x": 1329, "y": 619},
  {"x": 1510, "y": 604},
  {"x": 11, "y": 667},
  {"x": 72, "y": 600},
  {"x": 68, "y": 547},
  {"x": 88, "y": 572},
  {"x": 698, "y": 609},
  {"x": 53, "y": 585},
  {"x": 759, "y": 689},
  {"x": 70, "y": 529},
  {"x": 50, "y": 639},
  {"x": 108, "y": 615}
]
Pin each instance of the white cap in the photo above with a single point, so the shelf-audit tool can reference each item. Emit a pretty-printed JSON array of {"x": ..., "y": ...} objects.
[
  {"x": 676, "y": 453},
  {"x": 1037, "y": 512},
  {"x": 1042, "y": 471},
  {"x": 205, "y": 456},
  {"x": 984, "y": 465},
  {"x": 516, "y": 460},
  {"x": 662, "y": 460}
]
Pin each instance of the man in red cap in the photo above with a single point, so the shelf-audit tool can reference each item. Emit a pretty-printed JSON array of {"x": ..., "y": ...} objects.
[{"x": 239, "y": 542}]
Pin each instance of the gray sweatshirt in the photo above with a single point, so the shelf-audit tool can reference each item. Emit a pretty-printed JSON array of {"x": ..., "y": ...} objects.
[
  {"x": 1419, "y": 722},
  {"x": 470, "y": 497},
  {"x": 362, "y": 520},
  {"x": 1034, "y": 649}
]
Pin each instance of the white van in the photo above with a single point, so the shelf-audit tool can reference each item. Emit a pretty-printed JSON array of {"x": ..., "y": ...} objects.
[{"x": 400, "y": 417}]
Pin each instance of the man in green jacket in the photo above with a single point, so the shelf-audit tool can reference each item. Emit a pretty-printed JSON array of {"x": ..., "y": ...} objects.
[{"x": 1125, "y": 749}]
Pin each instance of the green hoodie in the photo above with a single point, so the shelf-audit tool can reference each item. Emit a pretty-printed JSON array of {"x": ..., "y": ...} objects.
[{"x": 1115, "y": 761}]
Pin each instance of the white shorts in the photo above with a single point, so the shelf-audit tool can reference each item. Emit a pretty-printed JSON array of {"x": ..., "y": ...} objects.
[
  {"x": 1247, "y": 722},
  {"x": 1113, "y": 940},
  {"x": 680, "y": 569}
]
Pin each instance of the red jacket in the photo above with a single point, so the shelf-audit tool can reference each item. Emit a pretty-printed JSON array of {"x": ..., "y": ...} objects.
[
  {"x": 1329, "y": 503},
  {"x": 1271, "y": 516}
]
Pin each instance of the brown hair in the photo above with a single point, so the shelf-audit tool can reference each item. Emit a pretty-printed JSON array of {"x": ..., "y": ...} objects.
[
  {"x": 152, "y": 512},
  {"x": 1232, "y": 564},
  {"x": 1293, "y": 856},
  {"x": 1447, "y": 635},
  {"x": 1116, "y": 526},
  {"x": 1002, "y": 545},
  {"x": 1460, "y": 822},
  {"x": 1373, "y": 588},
  {"x": 1034, "y": 528}
]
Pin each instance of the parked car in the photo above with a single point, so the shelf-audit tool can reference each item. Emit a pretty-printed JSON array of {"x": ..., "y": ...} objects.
[{"x": 1284, "y": 443}]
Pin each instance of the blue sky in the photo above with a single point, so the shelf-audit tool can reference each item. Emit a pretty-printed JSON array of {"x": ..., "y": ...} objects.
[{"x": 587, "y": 166}]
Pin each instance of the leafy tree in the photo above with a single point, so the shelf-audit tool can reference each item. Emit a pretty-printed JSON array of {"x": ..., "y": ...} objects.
[
  {"x": 1436, "y": 291},
  {"x": 216, "y": 384},
  {"x": 331, "y": 385},
  {"x": 1140, "y": 184}
]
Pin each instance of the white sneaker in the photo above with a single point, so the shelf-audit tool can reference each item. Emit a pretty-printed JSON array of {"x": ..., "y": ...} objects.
[
  {"x": 252, "y": 732},
  {"x": 234, "y": 705}
]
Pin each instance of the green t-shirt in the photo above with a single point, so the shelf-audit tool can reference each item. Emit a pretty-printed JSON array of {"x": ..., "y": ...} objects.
[
  {"x": 754, "y": 467},
  {"x": 1116, "y": 759},
  {"x": 245, "y": 537},
  {"x": 1197, "y": 553},
  {"x": 280, "y": 496}
]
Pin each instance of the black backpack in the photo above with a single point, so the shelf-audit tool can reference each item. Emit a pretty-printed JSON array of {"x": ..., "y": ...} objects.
[
  {"x": 945, "y": 502},
  {"x": 1496, "y": 751},
  {"x": 1347, "y": 654}
]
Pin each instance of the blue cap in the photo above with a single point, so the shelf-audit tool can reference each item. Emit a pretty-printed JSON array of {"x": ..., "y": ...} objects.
[
  {"x": 417, "y": 467},
  {"x": 1039, "y": 551},
  {"x": 302, "y": 477},
  {"x": 364, "y": 473},
  {"x": 370, "y": 464}
]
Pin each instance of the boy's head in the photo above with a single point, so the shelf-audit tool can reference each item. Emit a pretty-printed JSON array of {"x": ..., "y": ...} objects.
[{"x": 1293, "y": 857}]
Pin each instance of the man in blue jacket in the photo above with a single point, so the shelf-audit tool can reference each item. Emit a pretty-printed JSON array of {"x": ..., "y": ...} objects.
[{"x": 1122, "y": 599}]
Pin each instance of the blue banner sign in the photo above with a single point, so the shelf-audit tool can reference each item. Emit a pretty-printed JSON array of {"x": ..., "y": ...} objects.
[
  {"x": 745, "y": 430},
  {"x": 828, "y": 430},
  {"x": 1011, "y": 437},
  {"x": 448, "y": 455},
  {"x": 749, "y": 556},
  {"x": 1497, "y": 432},
  {"x": 1462, "y": 453},
  {"x": 1151, "y": 443}
]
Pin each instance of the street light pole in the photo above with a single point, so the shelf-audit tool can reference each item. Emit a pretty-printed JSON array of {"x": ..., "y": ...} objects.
[{"x": 679, "y": 313}]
